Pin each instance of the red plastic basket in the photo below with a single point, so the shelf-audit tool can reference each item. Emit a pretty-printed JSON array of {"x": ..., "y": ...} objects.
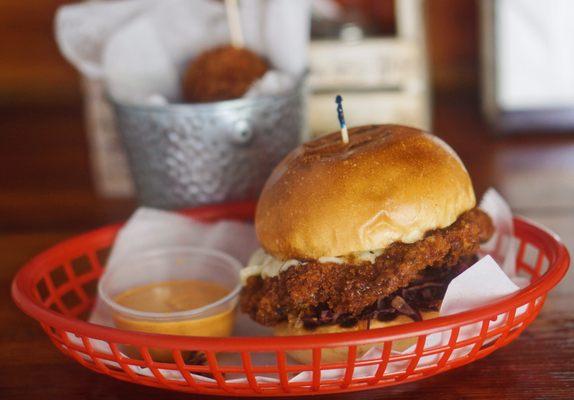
[{"x": 57, "y": 289}]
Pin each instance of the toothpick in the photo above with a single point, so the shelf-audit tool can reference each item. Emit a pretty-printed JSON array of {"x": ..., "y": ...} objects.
[
  {"x": 341, "y": 116},
  {"x": 234, "y": 23}
]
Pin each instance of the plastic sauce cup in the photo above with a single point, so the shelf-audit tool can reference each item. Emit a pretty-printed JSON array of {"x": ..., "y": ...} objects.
[{"x": 175, "y": 264}]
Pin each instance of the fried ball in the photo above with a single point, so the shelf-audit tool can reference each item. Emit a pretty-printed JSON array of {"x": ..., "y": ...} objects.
[{"x": 222, "y": 73}]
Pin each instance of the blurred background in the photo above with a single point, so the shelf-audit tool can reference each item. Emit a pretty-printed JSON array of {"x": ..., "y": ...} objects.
[{"x": 493, "y": 78}]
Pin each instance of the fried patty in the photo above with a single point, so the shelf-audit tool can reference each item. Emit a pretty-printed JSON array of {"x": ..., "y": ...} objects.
[
  {"x": 351, "y": 288},
  {"x": 424, "y": 294}
]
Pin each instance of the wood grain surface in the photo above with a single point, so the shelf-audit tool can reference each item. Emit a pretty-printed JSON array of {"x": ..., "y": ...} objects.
[{"x": 46, "y": 195}]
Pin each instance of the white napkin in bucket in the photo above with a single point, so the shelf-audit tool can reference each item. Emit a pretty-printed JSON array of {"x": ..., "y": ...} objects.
[
  {"x": 140, "y": 47},
  {"x": 238, "y": 239}
]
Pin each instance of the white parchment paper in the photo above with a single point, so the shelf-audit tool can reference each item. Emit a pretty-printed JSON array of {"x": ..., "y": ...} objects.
[
  {"x": 150, "y": 229},
  {"x": 141, "y": 47}
]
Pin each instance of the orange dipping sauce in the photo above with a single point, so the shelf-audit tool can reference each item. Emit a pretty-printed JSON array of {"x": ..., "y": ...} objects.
[
  {"x": 171, "y": 296},
  {"x": 176, "y": 296}
]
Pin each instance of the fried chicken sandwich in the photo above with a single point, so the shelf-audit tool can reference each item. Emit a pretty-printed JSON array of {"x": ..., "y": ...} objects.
[{"x": 361, "y": 235}]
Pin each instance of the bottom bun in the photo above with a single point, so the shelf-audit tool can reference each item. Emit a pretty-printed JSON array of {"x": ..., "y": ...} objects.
[{"x": 339, "y": 354}]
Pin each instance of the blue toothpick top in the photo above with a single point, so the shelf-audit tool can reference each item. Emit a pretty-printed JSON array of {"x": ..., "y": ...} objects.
[{"x": 341, "y": 116}]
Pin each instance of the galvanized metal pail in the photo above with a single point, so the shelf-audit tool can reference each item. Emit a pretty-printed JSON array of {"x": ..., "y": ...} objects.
[{"x": 183, "y": 155}]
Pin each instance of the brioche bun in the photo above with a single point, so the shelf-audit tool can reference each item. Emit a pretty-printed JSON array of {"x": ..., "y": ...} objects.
[
  {"x": 339, "y": 354},
  {"x": 389, "y": 184}
]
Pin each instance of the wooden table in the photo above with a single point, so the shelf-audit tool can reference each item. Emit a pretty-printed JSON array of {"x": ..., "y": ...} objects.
[{"x": 46, "y": 195}]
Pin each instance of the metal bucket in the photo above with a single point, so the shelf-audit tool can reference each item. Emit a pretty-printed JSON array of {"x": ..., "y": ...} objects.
[{"x": 183, "y": 155}]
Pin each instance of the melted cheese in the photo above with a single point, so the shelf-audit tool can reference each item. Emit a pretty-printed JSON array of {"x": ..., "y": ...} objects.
[{"x": 267, "y": 266}]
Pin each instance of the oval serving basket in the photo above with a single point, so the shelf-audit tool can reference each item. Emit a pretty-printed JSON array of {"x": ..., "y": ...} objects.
[{"x": 57, "y": 289}]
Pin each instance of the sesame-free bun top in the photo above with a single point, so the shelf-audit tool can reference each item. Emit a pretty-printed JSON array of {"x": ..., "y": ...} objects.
[{"x": 389, "y": 184}]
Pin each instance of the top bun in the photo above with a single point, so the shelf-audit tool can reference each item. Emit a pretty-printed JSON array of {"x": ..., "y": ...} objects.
[{"x": 389, "y": 184}]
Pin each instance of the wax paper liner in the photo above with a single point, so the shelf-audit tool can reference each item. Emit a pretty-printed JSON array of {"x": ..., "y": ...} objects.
[{"x": 238, "y": 239}]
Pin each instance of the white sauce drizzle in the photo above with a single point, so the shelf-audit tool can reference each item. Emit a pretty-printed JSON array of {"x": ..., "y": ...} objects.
[{"x": 268, "y": 266}]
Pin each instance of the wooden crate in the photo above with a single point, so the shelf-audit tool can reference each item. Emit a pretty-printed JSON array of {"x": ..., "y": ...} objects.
[
  {"x": 383, "y": 80},
  {"x": 109, "y": 164}
]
